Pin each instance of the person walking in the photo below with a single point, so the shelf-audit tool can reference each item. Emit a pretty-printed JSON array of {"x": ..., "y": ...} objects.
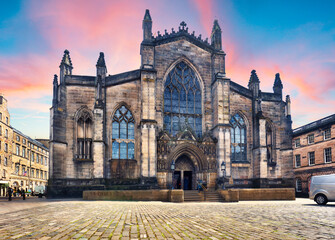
[
  {"x": 10, "y": 191},
  {"x": 23, "y": 194}
]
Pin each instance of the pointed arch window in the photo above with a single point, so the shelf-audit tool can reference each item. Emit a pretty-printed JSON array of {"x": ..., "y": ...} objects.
[
  {"x": 269, "y": 143},
  {"x": 123, "y": 143},
  {"x": 182, "y": 100},
  {"x": 238, "y": 139},
  {"x": 84, "y": 135}
]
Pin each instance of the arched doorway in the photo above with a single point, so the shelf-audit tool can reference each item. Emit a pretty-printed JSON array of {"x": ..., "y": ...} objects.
[{"x": 184, "y": 174}]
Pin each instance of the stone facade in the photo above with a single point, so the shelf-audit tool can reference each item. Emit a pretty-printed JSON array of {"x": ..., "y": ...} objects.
[
  {"x": 313, "y": 150},
  {"x": 24, "y": 162},
  {"x": 120, "y": 130}
]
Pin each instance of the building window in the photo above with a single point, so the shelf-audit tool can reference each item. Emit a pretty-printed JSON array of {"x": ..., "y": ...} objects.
[
  {"x": 32, "y": 158},
  {"x": 84, "y": 136},
  {"x": 7, "y": 120},
  {"x": 45, "y": 175},
  {"x": 5, "y": 162},
  {"x": 6, "y": 133},
  {"x": 24, "y": 141},
  {"x": 17, "y": 168},
  {"x": 269, "y": 143},
  {"x": 238, "y": 139},
  {"x": 23, "y": 170},
  {"x": 328, "y": 155},
  {"x": 310, "y": 139},
  {"x": 123, "y": 134},
  {"x": 24, "y": 152},
  {"x": 297, "y": 161},
  {"x": 327, "y": 134},
  {"x": 17, "y": 138},
  {"x": 37, "y": 158},
  {"x": 0, "y": 130},
  {"x": 182, "y": 100},
  {"x": 17, "y": 149},
  {"x": 4, "y": 173},
  {"x": 298, "y": 185},
  {"x": 0, "y": 116},
  {"x": 37, "y": 173},
  {"x": 297, "y": 142},
  {"x": 32, "y": 173},
  {"x": 46, "y": 161},
  {"x": 6, "y": 147},
  {"x": 311, "y": 158}
]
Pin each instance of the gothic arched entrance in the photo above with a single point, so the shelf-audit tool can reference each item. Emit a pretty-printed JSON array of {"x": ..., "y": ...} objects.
[{"x": 184, "y": 175}]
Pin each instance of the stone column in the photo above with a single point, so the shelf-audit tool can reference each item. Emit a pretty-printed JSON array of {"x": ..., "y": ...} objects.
[
  {"x": 220, "y": 101},
  {"x": 98, "y": 144},
  {"x": 148, "y": 124},
  {"x": 263, "y": 163}
]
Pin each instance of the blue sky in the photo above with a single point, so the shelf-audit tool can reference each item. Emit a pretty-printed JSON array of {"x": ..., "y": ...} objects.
[{"x": 294, "y": 38}]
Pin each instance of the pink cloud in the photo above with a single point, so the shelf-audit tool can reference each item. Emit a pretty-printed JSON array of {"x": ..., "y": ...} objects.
[{"x": 206, "y": 13}]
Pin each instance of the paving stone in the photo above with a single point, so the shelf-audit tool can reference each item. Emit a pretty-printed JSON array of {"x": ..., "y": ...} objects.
[{"x": 300, "y": 219}]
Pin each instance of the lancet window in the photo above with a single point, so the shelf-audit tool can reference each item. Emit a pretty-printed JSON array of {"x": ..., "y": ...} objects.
[
  {"x": 269, "y": 143},
  {"x": 238, "y": 139},
  {"x": 123, "y": 143},
  {"x": 182, "y": 100},
  {"x": 84, "y": 136}
]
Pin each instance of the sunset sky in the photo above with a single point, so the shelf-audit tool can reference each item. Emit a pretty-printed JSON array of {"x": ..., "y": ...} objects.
[{"x": 294, "y": 38}]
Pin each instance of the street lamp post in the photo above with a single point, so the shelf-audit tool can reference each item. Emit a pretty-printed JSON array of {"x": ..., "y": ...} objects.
[
  {"x": 223, "y": 169},
  {"x": 173, "y": 166}
]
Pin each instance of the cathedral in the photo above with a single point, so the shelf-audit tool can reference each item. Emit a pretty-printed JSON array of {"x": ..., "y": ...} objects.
[{"x": 176, "y": 121}]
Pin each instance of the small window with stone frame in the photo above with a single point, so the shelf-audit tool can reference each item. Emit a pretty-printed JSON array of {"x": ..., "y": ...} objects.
[
  {"x": 17, "y": 168},
  {"x": 328, "y": 155},
  {"x": 7, "y": 120},
  {"x": 0, "y": 116},
  {"x": 298, "y": 185},
  {"x": 17, "y": 149},
  {"x": 24, "y": 141},
  {"x": 17, "y": 138},
  {"x": 23, "y": 152},
  {"x": 297, "y": 161},
  {"x": 310, "y": 138},
  {"x": 311, "y": 158},
  {"x": 297, "y": 142},
  {"x": 6, "y": 133},
  {"x": 5, "y": 162},
  {"x": 0, "y": 130},
  {"x": 327, "y": 134},
  {"x": 6, "y": 147}
]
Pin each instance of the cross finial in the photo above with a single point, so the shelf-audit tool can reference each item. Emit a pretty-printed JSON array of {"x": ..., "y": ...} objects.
[{"x": 183, "y": 24}]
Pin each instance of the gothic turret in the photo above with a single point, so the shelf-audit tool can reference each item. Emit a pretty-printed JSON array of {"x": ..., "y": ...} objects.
[
  {"x": 101, "y": 66},
  {"x": 65, "y": 66},
  {"x": 55, "y": 91},
  {"x": 254, "y": 83},
  {"x": 147, "y": 27},
  {"x": 278, "y": 86},
  {"x": 216, "y": 36}
]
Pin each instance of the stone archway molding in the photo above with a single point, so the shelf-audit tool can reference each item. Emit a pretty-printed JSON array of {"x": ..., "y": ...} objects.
[{"x": 194, "y": 153}]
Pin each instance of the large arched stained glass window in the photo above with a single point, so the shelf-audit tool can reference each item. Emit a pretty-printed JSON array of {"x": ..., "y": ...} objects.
[
  {"x": 182, "y": 100},
  {"x": 238, "y": 139},
  {"x": 123, "y": 134}
]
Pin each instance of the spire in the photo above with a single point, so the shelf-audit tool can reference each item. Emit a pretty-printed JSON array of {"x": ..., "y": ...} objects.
[
  {"x": 55, "y": 91},
  {"x": 277, "y": 86},
  {"x": 66, "y": 60},
  {"x": 65, "y": 66},
  {"x": 253, "y": 78},
  {"x": 101, "y": 60},
  {"x": 101, "y": 66},
  {"x": 216, "y": 36},
  {"x": 147, "y": 15},
  {"x": 147, "y": 26}
]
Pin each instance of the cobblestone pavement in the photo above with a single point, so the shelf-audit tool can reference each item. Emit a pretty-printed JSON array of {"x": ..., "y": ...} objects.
[{"x": 45, "y": 219}]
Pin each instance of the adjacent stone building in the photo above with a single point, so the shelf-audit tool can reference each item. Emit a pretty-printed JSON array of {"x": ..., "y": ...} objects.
[
  {"x": 313, "y": 150},
  {"x": 6, "y": 136},
  {"x": 179, "y": 109},
  {"x": 24, "y": 162}
]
